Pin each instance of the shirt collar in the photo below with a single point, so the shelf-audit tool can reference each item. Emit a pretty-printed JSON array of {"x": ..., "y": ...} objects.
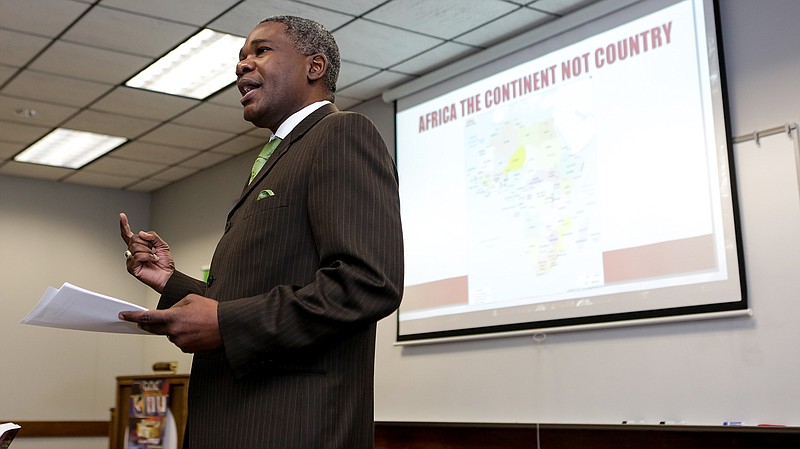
[{"x": 288, "y": 125}]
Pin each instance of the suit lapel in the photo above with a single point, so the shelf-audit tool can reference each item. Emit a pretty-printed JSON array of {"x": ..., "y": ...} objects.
[{"x": 295, "y": 135}]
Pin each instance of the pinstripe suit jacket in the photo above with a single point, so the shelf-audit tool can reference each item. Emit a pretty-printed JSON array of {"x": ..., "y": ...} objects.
[{"x": 311, "y": 258}]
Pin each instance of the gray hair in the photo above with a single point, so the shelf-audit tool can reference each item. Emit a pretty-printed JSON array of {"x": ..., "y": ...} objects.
[{"x": 310, "y": 37}]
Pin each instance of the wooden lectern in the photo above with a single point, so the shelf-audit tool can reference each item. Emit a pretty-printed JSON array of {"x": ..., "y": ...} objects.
[{"x": 178, "y": 404}]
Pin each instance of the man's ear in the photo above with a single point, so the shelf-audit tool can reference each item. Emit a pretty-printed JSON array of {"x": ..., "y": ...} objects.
[{"x": 317, "y": 66}]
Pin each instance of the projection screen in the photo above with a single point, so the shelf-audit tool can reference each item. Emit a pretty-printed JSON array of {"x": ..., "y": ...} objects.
[{"x": 583, "y": 180}]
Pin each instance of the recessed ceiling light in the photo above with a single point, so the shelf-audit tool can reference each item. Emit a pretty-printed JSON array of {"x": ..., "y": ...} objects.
[
  {"x": 197, "y": 68},
  {"x": 69, "y": 148}
]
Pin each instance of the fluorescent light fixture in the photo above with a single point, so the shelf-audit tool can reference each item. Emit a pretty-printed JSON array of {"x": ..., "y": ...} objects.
[
  {"x": 197, "y": 68},
  {"x": 69, "y": 148}
]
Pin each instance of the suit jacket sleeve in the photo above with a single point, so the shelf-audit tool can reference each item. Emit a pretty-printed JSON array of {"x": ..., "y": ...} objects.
[{"x": 178, "y": 286}]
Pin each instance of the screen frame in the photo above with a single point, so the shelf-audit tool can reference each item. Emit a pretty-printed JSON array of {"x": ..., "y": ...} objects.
[{"x": 638, "y": 317}]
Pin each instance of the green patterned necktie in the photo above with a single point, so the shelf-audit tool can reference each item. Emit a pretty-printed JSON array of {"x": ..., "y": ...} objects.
[{"x": 265, "y": 153}]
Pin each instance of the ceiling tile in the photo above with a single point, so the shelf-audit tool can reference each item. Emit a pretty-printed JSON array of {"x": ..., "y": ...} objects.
[
  {"x": 435, "y": 58},
  {"x": 375, "y": 86},
  {"x": 244, "y": 17},
  {"x": 205, "y": 160},
  {"x": 197, "y": 12},
  {"x": 54, "y": 89},
  {"x": 148, "y": 185},
  {"x": 229, "y": 96},
  {"x": 89, "y": 63},
  {"x": 93, "y": 179},
  {"x": 560, "y": 7},
  {"x": 111, "y": 124},
  {"x": 442, "y": 18},
  {"x": 240, "y": 144},
  {"x": 123, "y": 167},
  {"x": 18, "y": 49},
  {"x": 186, "y": 137},
  {"x": 213, "y": 116},
  {"x": 25, "y": 134},
  {"x": 149, "y": 152},
  {"x": 385, "y": 47},
  {"x": 143, "y": 103},
  {"x": 45, "y": 114},
  {"x": 505, "y": 27},
  {"x": 260, "y": 133},
  {"x": 9, "y": 150},
  {"x": 42, "y": 17},
  {"x": 354, "y": 7},
  {"x": 6, "y": 72},
  {"x": 34, "y": 171},
  {"x": 345, "y": 103},
  {"x": 175, "y": 173},
  {"x": 351, "y": 73},
  {"x": 123, "y": 31}
]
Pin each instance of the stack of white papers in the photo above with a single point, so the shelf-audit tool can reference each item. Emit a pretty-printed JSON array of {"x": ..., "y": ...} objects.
[{"x": 71, "y": 307}]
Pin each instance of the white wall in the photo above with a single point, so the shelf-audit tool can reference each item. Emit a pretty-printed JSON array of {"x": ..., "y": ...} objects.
[{"x": 52, "y": 233}]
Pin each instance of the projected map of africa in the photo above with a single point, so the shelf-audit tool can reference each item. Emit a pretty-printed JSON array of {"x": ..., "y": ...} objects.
[{"x": 540, "y": 191}]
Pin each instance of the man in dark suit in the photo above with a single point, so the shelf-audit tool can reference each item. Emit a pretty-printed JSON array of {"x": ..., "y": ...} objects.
[{"x": 283, "y": 331}]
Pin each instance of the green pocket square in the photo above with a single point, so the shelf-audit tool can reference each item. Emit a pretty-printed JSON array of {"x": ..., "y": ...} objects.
[{"x": 265, "y": 193}]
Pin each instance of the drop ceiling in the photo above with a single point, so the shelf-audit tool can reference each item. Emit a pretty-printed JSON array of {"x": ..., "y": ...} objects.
[{"x": 63, "y": 63}]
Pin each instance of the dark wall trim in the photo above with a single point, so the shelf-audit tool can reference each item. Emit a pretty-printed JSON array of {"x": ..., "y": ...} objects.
[
  {"x": 62, "y": 428},
  {"x": 405, "y": 435}
]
